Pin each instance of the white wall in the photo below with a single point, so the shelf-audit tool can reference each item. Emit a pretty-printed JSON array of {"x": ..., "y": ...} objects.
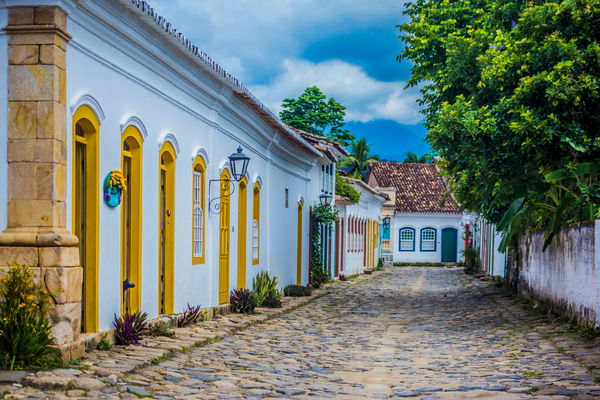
[
  {"x": 370, "y": 207},
  {"x": 564, "y": 277},
  {"x": 131, "y": 71},
  {"x": 418, "y": 222}
]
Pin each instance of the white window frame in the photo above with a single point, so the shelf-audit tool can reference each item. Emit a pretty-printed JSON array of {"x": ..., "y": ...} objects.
[
  {"x": 428, "y": 244},
  {"x": 405, "y": 242},
  {"x": 254, "y": 239}
]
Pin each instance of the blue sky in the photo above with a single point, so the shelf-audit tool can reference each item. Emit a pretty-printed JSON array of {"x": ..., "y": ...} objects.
[{"x": 347, "y": 48}]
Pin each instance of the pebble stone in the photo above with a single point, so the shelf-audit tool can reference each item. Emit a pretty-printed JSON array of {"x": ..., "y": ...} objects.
[{"x": 427, "y": 333}]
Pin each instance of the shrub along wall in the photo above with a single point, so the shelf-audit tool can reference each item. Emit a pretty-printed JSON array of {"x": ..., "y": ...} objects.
[{"x": 566, "y": 277}]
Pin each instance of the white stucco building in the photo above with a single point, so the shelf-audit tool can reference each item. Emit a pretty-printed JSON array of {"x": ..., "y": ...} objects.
[
  {"x": 358, "y": 230},
  {"x": 143, "y": 100},
  {"x": 426, "y": 226}
]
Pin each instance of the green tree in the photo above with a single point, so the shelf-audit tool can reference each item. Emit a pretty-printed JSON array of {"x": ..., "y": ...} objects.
[
  {"x": 414, "y": 158},
  {"x": 343, "y": 188},
  {"x": 358, "y": 161},
  {"x": 313, "y": 113},
  {"x": 511, "y": 95}
]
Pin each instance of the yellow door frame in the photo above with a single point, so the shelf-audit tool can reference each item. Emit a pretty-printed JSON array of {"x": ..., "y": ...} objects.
[
  {"x": 166, "y": 161},
  {"x": 90, "y": 130},
  {"x": 132, "y": 139},
  {"x": 224, "y": 238},
  {"x": 242, "y": 231},
  {"x": 299, "y": 247}
]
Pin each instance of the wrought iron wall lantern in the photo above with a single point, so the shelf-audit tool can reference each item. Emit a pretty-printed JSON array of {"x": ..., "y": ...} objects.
[
  {"x": 386, "y": 222},
  {"x": 325, "y": 199},
  {"x": 239, "y": 166}
]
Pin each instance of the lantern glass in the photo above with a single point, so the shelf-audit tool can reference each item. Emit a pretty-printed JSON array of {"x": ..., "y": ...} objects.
[{"x": 325, "y": 199}]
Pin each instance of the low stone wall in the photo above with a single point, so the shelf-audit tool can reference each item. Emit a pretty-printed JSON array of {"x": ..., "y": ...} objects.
[{"x": 566, "y": 277}]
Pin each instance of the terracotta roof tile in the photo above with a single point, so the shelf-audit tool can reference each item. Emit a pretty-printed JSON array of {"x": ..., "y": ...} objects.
[{"x": 418, "y": 187}]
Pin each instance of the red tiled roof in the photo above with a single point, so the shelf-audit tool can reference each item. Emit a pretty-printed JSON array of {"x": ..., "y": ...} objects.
[
  {"x": 317, "y": 141},
  {"x": 418, "y": 187}
]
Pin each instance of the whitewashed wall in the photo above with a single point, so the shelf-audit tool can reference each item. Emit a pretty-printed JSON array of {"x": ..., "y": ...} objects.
[
  {"x": 370, "y": 206},
  {"x": 418, "y": 222},
  {"x": 123, "y": 69},
  {"x": 488, "y": 240},
  {"x": 566, "y": 277}
]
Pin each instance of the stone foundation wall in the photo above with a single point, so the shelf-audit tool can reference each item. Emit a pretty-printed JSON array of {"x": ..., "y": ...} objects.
[
  {"x": 36, "y": 234},
  {"x": 566, "y": 277}
]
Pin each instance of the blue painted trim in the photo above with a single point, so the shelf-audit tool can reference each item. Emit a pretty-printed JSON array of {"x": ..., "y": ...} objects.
[
  {"x": 400, "y": 238},
  {"x": 455, "y": 244},
  {"x": 434, "y": 240},
  {"x": 384, "y": 231}
]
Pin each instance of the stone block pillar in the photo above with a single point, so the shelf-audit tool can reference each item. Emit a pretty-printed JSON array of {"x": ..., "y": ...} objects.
[{"x": 36, "y": 234}]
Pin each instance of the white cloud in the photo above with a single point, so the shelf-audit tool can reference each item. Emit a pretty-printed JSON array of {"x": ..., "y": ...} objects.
[
  {"x": 365, "y": 98},
  {"x": 261, "y": 33}
]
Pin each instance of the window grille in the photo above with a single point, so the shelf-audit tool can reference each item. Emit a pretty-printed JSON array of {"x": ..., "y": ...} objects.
[
  {"x": 79, "y": 131},
  {"x": 407, "y": 237},
  {"x": 198, "y": 214},
  {"x": 125, "y": 146},
  {"x": 254, "y": 239},
  {"x": 428, "y": 239}
]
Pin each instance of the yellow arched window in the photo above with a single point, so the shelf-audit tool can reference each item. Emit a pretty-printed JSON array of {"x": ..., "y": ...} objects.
[
  {"x": 199, "y": 202},
  {"x": 86, "y": 209},
  {"x": 131, "y": 218},
  {"x": 255, "y": 223}
]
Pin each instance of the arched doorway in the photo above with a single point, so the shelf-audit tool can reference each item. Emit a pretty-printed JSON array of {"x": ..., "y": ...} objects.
[
  {"x": 86, "y": 209},
  {"x": 224, "y": 238},
  {"x": 166, "y": 245}
]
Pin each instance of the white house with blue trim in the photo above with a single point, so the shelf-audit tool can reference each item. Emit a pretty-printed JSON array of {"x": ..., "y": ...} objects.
[{"x": 425, "y": 226}]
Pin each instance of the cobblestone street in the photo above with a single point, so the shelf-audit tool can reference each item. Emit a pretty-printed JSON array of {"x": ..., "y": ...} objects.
[
  {"x": 427, "y": 333},
  {"x": 414, "y": 332}
]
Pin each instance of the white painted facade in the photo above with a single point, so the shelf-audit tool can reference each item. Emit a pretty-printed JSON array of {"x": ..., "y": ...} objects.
[
  {"x": 418, "y": 223},
  {"x": 130, "y": 71},
  {"x": 487, "y": 239},
  {"x": 359, "y": 249}
]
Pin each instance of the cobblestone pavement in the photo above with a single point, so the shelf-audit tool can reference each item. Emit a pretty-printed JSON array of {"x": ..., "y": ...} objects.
[{"x": 426, "y": 333}]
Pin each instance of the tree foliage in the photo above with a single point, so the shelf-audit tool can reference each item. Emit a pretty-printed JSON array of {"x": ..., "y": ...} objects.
[
  {"x": 511, "y": 95},
  {"x": 313, "y": 113},
  {"x": 414, "y": 158},
  {"x": 345, "y": 189},
  {"x": 358, "y": 161}
]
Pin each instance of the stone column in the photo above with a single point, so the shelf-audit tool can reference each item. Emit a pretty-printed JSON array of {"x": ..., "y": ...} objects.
[{"x": 36, "y": 234}]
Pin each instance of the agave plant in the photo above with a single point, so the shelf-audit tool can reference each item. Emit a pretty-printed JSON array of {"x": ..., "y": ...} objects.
[
  {"x": 242, "y": 301},
  {"x": 191, "y": 316},
  {"x": 129, "y": 327},
  {"x": 263, "y": 287}
]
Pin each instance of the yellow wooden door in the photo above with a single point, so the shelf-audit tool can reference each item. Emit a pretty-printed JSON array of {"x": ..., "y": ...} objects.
[
  {"x": 224, "y": 239},
  {"x": 242, "y": 220},
  {"x": 166, "y": 250},
  {"x": 86, "y": 209}
]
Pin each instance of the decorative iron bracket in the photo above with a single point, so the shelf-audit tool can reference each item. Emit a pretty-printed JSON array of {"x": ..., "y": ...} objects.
[{"x": 214, "y": 204}]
